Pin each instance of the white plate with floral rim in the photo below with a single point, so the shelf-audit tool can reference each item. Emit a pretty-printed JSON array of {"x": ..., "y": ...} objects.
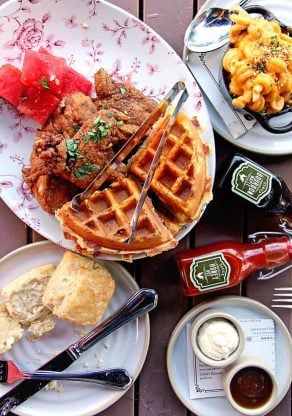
[
  {"x": 125, "y": 348},
  {"x": 89, "y": 34}
]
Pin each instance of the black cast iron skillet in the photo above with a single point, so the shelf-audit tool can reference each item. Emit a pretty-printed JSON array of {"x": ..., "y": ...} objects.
[{"x": 263, "y": 118}]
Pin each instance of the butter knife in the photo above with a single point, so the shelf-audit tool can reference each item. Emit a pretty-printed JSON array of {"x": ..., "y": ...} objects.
[{"x": 141, "y": 302}]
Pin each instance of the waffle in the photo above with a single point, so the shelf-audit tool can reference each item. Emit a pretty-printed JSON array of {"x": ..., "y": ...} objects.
[
  {"x": 103, "y": 223},
  {"x": 180, "y": 181}
]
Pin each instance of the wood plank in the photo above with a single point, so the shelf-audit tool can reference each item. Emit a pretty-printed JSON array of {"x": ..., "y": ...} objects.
[
  {"x": 131, "y": 6},
  {"x": 222, "y": 221},
  {"x": 13, "y": 230},
  {"x": 200, "y": 4},
  {"x": 156, "y": 396},
  {"x": 263, "y": 290},
  {"x": 37, "y": 237},
  {"x": 124, "y": 406},
  {"x": 13, "y": 235},
  {"x": 169, "y": 21}
]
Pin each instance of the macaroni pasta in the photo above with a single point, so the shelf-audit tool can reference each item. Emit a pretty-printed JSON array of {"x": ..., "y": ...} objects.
[{"x": 259, "y": 63}]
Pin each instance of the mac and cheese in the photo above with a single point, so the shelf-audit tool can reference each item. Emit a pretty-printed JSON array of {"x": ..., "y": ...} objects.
[{"x": 259, "y": 62}]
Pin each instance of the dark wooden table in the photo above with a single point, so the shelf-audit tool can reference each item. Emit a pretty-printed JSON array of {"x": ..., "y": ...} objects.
[{"x": 152, "y": 394}]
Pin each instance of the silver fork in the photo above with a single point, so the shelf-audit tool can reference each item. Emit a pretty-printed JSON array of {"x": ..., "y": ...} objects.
[
  {"x": 283, "y": 298},
  {"x": 115, "y": 378}
]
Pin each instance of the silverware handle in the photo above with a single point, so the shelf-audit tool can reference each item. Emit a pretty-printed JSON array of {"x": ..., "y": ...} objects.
[
  {"x": 143, "y": 301},
  {"x": 116, "y": 378}
]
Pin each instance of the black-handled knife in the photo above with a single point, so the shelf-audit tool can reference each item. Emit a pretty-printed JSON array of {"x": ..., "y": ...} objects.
[{"x": 143, "y": 301}]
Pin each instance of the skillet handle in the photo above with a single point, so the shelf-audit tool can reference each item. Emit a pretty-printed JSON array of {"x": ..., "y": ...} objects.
[
  {"x": 265, "y": 120},
  {"x": 268, "y": 16}
]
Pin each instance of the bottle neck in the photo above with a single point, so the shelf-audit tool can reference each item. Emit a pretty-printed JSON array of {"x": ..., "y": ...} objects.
[{"x": 269, "y": 253}]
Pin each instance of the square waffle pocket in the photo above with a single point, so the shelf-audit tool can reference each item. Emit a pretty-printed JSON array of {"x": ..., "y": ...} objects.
[
  {"x": 180, "y": 181},
  {"x": 103, "y": 223},
  {"x": 180, "y": 189}
]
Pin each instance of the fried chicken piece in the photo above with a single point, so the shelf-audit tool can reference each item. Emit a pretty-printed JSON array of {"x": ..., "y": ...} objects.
[
  {"x": 122, "y": 97},
  {"x": 52, "y": 192},
  {"x": 80, "y": 137},
  {"x": 73, "y": 110},
  {"x": 80, "y": 158}
]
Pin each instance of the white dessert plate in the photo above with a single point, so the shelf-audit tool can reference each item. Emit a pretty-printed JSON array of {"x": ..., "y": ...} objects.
[
  {"x": 126, "y": 348},
  {"x": 241, "y": 308},
  {"x": 257, "y": 139},
  {"x": 90, "y": 35}
]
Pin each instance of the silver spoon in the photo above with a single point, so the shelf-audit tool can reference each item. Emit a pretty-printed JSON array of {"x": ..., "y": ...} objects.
[{"x": 209, "y": 30}]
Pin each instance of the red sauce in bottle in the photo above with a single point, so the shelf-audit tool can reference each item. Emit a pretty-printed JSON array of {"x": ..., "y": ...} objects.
[{"x": 228, "y": 263}]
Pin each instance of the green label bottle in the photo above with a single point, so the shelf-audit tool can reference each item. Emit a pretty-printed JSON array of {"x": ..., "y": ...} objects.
[
  {"x": 210, "y": 272},
  {"x": 250, "y": 182}
]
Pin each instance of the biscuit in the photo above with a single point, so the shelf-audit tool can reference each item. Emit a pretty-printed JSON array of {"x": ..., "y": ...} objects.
[
  {"x": 23, "y": 296},
  {"x": 79, "y": 290},
  {"x": 10, "y": 330}
]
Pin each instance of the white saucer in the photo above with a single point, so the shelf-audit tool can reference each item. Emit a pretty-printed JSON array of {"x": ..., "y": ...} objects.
[{"x": 242, "y": 308}]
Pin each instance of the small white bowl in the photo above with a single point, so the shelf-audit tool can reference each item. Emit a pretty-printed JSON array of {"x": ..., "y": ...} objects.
[
  {"x": 210, "y": 315},
  {"x": 242, "y": 363}
]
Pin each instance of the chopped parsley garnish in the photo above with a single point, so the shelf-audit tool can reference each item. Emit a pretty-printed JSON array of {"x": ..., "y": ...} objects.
[
  {"x": 72, "y": 150},
  {"x": 259, "y": 66},
  {"x": 122, "y": 91},
  {"x": 44, "y": 83},
  {"x": 120, "y": 122},
  {"x": 82, "y": 171},
  {"x": 111, "y": 114},
  {"x": 275, "y": 41},
  {"x": 99, "y": 130}
]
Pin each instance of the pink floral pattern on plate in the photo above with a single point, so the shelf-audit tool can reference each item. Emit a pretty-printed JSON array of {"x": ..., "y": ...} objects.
[{"x": 89, "y": 34}]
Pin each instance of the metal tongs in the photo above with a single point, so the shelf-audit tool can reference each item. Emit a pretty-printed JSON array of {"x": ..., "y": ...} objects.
[
  {"x": 153, "y": 166},
  {"x": 114, "y": 163},
  {"x": 269, "y": 273}
]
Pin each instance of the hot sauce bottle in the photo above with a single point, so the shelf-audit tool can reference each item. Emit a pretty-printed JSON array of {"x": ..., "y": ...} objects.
[
  {"x": 262, "y": 189},
  {"x": 228, "y": 263}
]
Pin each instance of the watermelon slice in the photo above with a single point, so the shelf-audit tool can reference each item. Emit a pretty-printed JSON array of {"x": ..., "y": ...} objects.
[
  {"x": 72, "y": 80},
  {"x": 43, "y": 70},
  {"x": 11, "y": 88},
  {"x": 44, "y": 50},
  {"x": 38, "y": 103}
]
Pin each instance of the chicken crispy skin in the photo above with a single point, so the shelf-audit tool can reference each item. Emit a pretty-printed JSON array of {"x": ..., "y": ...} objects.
[
  {"x": 73, "y": 110},
  {"x": 122, "y": 97},
  {"x": 52, "y": 192},
  {"x": 54, "y": 176},
  {"x": 90, "y": 155}
]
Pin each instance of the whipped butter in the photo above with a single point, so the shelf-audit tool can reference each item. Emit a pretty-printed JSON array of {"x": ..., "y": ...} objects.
[{"x": 217, "y": 338}]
